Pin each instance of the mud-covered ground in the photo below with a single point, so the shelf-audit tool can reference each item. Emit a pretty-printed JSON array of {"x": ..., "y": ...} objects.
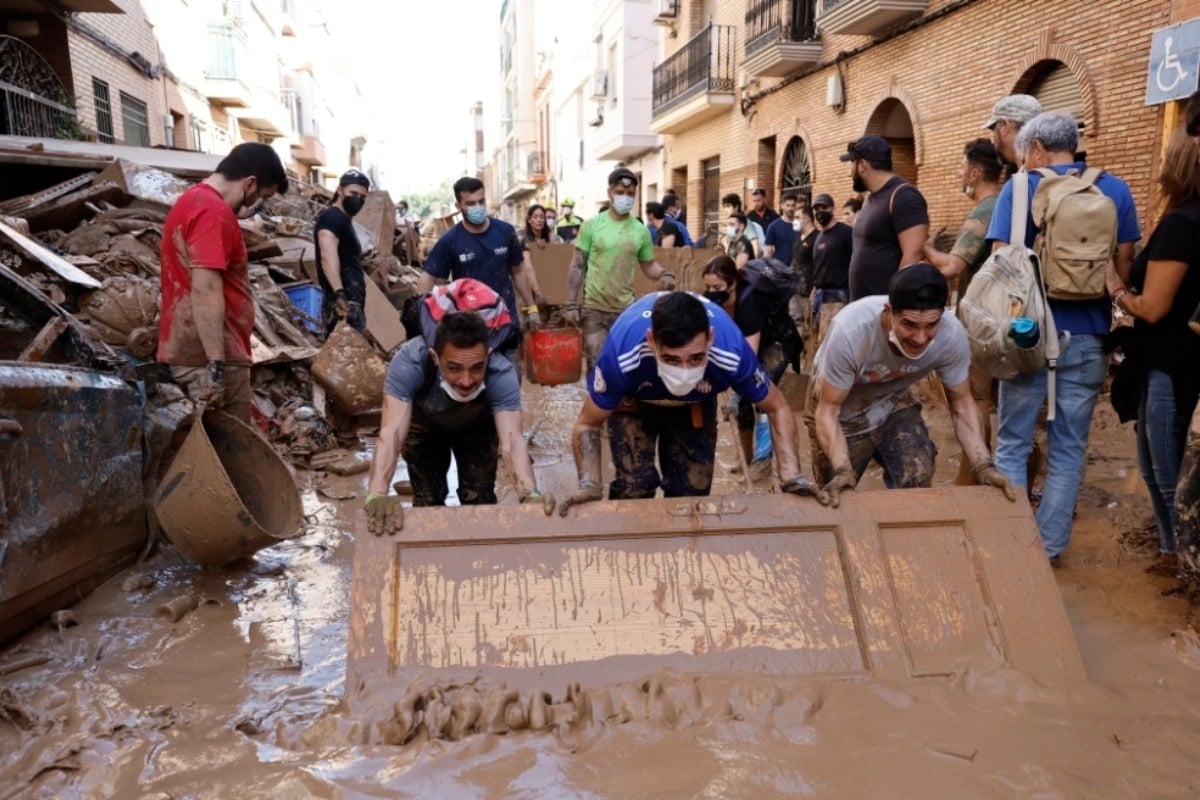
[{"x": 241, "y": 696}]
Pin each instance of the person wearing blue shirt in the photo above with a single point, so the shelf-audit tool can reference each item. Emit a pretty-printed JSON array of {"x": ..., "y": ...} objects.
[
  {"x": 487, "y": 250},
  {"x": 670, "y": 203},
  {"x": 655, "y": 385},
  {"x": 781, "y": 234},
  {"x": 1050, "y": 140}
]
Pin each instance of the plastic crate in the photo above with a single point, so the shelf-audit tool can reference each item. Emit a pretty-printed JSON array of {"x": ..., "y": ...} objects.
[{"x": 308, "y": 298}]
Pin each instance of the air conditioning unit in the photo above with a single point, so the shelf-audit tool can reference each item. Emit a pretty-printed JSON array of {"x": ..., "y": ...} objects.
[
  {"x": 667, "y": 12},
  {"x": 600, "y": 84}
]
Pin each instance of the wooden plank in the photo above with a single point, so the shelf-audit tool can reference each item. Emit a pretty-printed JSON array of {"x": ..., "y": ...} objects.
[
  {"x": 55, "y": 263},
  {"x": 45, "y": 339},
  {"x": 383, "y": 320},
  {"x": 551, "y": 264},
  {"x": 895, "y": 584}
]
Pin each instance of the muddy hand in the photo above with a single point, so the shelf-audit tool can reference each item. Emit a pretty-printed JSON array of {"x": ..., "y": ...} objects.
[
  {"x": 547, "y": 499},
  {"x": 803, "y": 486},
  {"x": 666, "y": 281},
  {"x": 843, "y": 480},
  {"x": 570, "y": 315},
  {"x": 212, "y": 388},
  {"x": 384, "y": 514},
  {"x": 340, "y": 307},
  {"x": 587, "y": 494},
  {"x": 356, "y": 316},
  {"x": 988, "y": 475},
  {"x": 533, "y": 321}
]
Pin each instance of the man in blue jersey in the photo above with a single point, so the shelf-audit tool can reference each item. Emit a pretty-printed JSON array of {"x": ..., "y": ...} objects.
[{"x": 655, "y": 384}]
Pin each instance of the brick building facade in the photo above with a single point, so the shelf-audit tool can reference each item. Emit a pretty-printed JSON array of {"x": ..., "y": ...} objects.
[{"x": 927, "y": 85}]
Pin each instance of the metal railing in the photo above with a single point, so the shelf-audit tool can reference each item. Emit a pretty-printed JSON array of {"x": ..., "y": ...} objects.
[
  {"x": 23, "y": 113},
  {"x": 772, "y": 21},
  {"x": 538, "y": 165},
  {"x": 705, "y": 64}
]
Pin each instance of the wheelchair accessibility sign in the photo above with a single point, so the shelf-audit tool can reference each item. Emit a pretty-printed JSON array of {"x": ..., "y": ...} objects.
[{"x": 1174, "y": 63}]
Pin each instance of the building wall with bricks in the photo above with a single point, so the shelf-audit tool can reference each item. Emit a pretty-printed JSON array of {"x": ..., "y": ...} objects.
[
  {"x": 99, "y": 46},
  {"x": 946, "y": 72}
]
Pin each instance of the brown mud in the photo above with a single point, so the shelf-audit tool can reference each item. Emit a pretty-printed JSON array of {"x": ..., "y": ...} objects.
[{"x": 242, "y": 695}]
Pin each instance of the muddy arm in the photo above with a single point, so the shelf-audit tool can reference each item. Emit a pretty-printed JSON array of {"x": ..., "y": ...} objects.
[
  {"x": 968, "y": 425},
  {"x": 331, "y": 265},
  {"x": 783, "y": 432},
  {"x": 397, "y": 415},
  {"x": 513, "y": 450},
  {"x": 208, "y": 310},
  {"x": 525, "y": 282},
  {"x": 830, "y": 435},
  {"x": 575, "y": 277},
  {"x": 425, "y": 284},
  {"x": 586, "y": 441}
]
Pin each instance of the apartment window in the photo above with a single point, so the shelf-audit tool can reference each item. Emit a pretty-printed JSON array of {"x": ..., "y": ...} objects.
[
  {"x": 104, "y": 126},
  {"x": 199, "y": 136},
  {"x": 135, "y": 121}
]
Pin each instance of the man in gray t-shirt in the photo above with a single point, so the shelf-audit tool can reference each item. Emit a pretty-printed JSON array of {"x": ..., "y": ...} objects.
[
  {"x": 454, "y": 397},
  {"x": 862, "y": 407}
]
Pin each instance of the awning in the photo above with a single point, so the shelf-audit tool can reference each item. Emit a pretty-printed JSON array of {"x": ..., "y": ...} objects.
[
  {"x": 35, "y": 7},
  {"x": 95, "y": 155}
]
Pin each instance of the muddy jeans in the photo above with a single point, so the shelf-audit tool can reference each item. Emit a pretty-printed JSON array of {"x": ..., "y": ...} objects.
[
  {"x": 595, "y": 325},
  {"x": 686, "y": 441},
  {"x": 237, "y": 387},
  {"x": 774, "y": 362},
  {"x": 476, "y": 450},
  {"x": 901, "y": 445},
  {"x": 826, "y": 305}
]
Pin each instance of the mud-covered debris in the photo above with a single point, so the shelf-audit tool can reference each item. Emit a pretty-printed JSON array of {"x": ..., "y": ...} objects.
[
  {"x": 138, "y": 582},
  {"x": 62, "y": 619},
  {"x": 177, "y": 608}
]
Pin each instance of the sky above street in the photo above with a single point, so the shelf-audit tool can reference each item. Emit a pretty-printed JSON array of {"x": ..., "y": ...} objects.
[{"x": 423, "y": 65}]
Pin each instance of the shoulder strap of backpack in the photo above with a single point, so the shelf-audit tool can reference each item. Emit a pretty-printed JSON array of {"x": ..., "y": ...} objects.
[
  {"x": 1091, "y": 175},
  {"x": 1020, "y": 208},
  {"x": 892, "y": 196}
]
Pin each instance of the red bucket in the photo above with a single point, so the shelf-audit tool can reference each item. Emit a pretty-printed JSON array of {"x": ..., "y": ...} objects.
[{"x": 553, "y": 356}]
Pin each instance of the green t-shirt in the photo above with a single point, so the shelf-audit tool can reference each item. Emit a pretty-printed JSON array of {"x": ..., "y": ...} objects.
[
  {"x": 613, "y": 249},
  {"x": 972, "y": 245}
]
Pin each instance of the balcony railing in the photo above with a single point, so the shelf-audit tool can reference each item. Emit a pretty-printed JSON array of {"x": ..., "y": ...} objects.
[
  {"x": 538, "y": 165},
  {"x": 23, "y": 113},
  {"x": 228, "y": 48},
  {"x": 705, "y": 64},
  {"x": 771, "y": 21}
]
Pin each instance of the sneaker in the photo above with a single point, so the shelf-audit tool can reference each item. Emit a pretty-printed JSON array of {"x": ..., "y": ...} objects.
[{"x": 1165, "y": 566}]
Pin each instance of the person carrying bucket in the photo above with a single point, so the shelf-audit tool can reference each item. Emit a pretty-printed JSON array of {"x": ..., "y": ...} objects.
[{"x": 449, "y": 391}]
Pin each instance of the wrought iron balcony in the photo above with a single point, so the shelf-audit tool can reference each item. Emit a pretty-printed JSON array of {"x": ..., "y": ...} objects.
[
  {"x": 866, "y": 17},
  {"x": 781, "y": 36},
  {"x": 697, "y": 81},
  {"x": 772, "y": 21}
]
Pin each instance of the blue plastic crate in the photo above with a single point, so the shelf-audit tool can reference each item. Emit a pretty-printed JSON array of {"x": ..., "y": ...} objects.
[{"x": 308, "y": 299}]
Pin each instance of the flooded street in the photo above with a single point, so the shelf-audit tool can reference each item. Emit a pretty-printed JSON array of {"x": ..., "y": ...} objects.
[{"x": 242, "y": 696}]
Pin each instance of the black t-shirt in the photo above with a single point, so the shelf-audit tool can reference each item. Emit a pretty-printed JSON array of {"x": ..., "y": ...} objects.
[
  {"x": 802, "y": 258},
  {"x": 764, "y": 219},
  {"x": 669, "y": 228},
  {"x": 349, "y": 250},
  {"x": 755, "y": 311},
  {"x": 1170, "y": 344},
  {"x": 877, "y": 232},
  {"x": 831, "y": 257}
]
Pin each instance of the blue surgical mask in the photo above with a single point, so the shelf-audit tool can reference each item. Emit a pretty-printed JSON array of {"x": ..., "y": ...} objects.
[
  {"x": 476, "y": 214},
  {"x": 622, "y": 204}
]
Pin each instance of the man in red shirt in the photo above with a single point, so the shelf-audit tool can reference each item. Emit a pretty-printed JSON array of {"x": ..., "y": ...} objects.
[{"x": 207, "y": 300}]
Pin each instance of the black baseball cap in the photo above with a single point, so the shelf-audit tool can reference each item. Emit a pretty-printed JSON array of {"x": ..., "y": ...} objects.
[
  {"x": 622, "y": 176},
  {"x": 354, "y": 176},
  {"x": 918, "y": 287},
  {"x": 823, "y": 200},
  {"x": 869, "y": 148},
  {"x": 759, "y": 192}
]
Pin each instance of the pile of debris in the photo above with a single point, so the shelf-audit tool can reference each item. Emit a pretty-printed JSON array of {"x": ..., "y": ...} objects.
[{"x": 92, "y": 246}]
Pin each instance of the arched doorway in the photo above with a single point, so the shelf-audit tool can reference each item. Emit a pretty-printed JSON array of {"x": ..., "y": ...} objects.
[
  {"x": 795, "y": 171},
  {"x": 892, "y": 121},
  {"x": 1055, "y": 87},
  {"x": 33, "y": 101}
]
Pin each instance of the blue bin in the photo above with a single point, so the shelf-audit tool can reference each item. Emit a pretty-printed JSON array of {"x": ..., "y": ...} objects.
[{"x": 308, "y": 299}]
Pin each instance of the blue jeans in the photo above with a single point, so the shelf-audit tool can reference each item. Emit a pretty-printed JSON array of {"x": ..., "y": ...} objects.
[
  {"x": 1082, "y": 366},
  {"x": 1161, "y": 437}
]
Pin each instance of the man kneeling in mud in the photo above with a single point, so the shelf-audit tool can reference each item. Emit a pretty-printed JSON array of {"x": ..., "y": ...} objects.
[
  {"x": 454, "y": 396},
  {"x": 875, "y": 350},
  {"x": 656, "y": 383}
]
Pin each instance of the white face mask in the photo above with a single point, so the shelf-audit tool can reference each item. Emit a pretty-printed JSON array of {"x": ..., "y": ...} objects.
[
  {"x": 454, "y": 395},
  {"x": 895, "y": 340},
  {"x": 680, "y": 380},
  {"x": 622, "y": 204},
  {"x": 731, "y": 232}
]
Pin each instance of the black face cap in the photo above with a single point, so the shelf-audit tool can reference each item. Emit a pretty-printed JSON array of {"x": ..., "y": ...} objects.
[
  {"x": 869, "y": 148},
  {"x": 622, "y": 176}
]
